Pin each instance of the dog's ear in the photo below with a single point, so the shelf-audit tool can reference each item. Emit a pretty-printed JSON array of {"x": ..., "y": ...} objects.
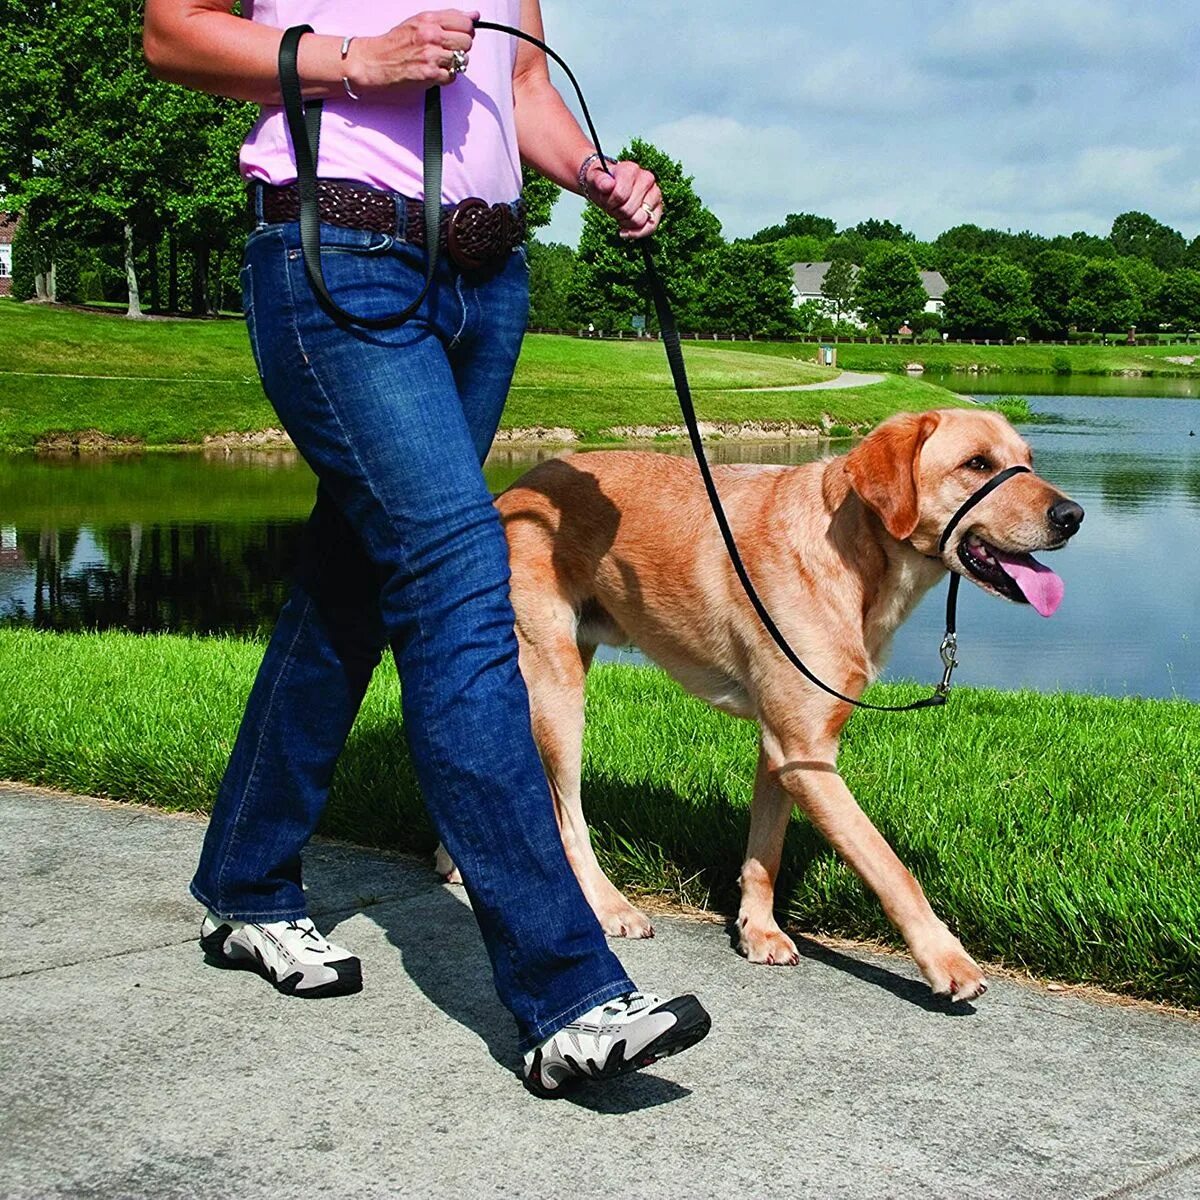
[{"x": 883, "y": 469}]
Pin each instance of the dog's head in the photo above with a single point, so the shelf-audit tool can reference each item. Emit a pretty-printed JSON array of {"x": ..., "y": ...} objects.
[{"x": 917, "y": 469}]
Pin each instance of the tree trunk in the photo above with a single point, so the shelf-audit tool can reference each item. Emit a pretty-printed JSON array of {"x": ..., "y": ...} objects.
[
  {"x": 199, "y": 280},
  {"x": 135, "y": 300},
  {"x": 219, "y": 288},
  {"x": 154, "y": 288},
  {"x": 172, "y": 271}
]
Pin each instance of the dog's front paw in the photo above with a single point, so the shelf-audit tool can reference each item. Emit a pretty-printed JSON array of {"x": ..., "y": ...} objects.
[
  {"x": 625, "y": 921},
  {"x": 767, "y": 945},
  {"x": 952, "y": 973}
]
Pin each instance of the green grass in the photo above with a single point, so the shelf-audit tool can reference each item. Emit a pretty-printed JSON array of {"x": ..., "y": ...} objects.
[
  {"x": 1024, "y": 359},
  {"x": 1057, "y": 833},
  {"x": 1015, "y": 408},
  {"x": 163, "y": 383}
]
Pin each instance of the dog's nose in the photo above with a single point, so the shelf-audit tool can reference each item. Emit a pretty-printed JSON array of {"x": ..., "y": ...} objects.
[{"x": 1066, "y": 516}]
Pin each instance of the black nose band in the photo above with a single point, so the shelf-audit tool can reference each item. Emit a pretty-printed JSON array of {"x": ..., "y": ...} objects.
[{"x": 972, "y": 500}]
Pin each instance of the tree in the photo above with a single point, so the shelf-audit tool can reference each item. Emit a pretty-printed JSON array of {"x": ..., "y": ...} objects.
[
  {"x": 838, "y": 286},
  {"x": 551, "y": 267},
  {"x": 1181, "y": 299},
  {"x": 26, "y": 263},
  {"x": 1147, "y": 282},
  {"x": 889, "y": 289},
  {"x": 1055, "y": 281},
  {"x": 790, "y": 250},
  {"x": 1192, "y": 258},
  {"x": 873, "y": 230},
  {"x": 610, "y": 286},
  {"x": 1138, "y": 235},
  {"x": 797, "y": 225},
  {"x": 1105, "y": 300},
  {"x": 742, "y": 289},
  {"x": 95, "y": 151},
  {"x": 989, "y": 298},
  {"x": 541, "y": 195}
]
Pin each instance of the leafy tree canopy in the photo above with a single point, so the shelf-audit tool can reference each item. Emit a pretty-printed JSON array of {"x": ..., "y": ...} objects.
[
  {"x": 797, "y": 225},
  {"x": 889, "y": 289},
  {"x": 873, "y": 230},
  {"x": 1139, "y": 235},
  {"x": 610, "y": 285},
  {"x": 1105, "y": 299},
  {"x": 742, "y": 288},
  {"x": 989, "y": 298}
]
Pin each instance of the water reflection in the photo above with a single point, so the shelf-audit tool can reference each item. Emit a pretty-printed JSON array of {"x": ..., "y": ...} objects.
[{"x": 204, "y": 545}]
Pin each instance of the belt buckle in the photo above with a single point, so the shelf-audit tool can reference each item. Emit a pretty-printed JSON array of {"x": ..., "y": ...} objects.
[{"x": 476, "y": 233}]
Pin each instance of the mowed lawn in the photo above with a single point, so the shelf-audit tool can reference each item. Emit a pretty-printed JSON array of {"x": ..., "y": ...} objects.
[
  {"x": 1026, "y": 359},
  {"x": 1055, "y": 833},
  {"x": 158, "y": 383}
]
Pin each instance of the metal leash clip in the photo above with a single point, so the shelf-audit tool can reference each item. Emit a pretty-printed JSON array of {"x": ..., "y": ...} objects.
[{"x": 949, "y": 653}]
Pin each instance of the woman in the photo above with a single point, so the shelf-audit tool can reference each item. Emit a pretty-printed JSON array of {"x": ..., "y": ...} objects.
[{"x": 404, "y": 546}]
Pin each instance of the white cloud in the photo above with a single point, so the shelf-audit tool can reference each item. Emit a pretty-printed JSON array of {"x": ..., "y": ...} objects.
[{"x": 1016, "y": 113}]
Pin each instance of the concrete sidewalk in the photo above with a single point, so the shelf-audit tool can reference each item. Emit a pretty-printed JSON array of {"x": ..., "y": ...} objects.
[{"x": 129, "y": 1068}]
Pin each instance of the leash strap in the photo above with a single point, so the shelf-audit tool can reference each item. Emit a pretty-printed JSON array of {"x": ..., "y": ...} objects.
[
  {"x": 670, "y": 339},
  {"x": 304, "y": 125}
]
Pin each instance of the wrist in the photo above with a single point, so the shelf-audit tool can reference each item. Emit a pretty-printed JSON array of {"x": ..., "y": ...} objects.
[
  {"x": 356, "y": 64},
  {"x": 591, "y": 165}
]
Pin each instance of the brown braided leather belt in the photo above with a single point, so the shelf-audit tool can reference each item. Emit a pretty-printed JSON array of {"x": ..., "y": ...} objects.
[{"x": 474, "y": 234}]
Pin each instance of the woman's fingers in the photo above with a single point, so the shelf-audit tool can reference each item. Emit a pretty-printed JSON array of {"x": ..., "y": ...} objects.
[{"x": 631, "y": 195}]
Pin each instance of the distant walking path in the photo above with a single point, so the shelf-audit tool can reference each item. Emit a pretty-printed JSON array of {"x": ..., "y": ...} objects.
[
  {"x": 130, "y": 1068},
  {"x": 847, "y": 379}
]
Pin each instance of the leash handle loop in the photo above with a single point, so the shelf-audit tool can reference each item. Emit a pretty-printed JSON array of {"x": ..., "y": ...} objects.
[{"x": 304, "y": 126}]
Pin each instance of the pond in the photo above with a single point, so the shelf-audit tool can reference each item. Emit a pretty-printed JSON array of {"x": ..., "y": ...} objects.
[{"x": 202, "y": 544}]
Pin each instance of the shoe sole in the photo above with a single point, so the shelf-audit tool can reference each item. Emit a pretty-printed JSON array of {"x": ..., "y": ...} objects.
[
  {"x": 692, "y": 1024},
  {"x": 349, "y": 971}
]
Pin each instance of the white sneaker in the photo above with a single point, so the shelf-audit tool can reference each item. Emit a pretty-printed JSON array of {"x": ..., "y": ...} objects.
[
  {"x": 293, "y": 955},
  {"x": 613, "y": 1038}
]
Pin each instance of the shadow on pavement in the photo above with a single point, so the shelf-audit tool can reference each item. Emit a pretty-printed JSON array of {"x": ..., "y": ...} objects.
[{"x": 443, "y": 954}]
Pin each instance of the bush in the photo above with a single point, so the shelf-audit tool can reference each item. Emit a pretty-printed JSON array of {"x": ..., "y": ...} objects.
[
  {"x": 25, "y": 264},
  {"x": 67, "y": 289},
  {"x": 1060, "y": 364},
  {"x": 1015, "y": 408}
]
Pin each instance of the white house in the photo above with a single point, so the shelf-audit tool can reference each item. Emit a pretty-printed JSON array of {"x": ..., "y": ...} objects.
[{"x": 808, "y": 277}]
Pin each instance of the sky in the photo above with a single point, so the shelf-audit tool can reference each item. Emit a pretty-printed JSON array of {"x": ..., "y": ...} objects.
[{"x": 1049, "y": 115}]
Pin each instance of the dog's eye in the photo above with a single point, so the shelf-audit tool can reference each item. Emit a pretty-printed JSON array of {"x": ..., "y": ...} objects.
[{"x": 978, "y": 463}]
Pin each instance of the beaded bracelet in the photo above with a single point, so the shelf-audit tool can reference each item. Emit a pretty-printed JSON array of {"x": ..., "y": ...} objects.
[{"x": 583, "y": 171}]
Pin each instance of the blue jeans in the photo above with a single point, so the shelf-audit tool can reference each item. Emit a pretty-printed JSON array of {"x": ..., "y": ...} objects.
[{"x": 404, "y": 547}]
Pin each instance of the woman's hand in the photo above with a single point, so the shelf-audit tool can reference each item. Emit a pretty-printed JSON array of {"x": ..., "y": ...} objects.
[
  {"x": 420, "y": 51},
  {"x": 630, "y": 195}
]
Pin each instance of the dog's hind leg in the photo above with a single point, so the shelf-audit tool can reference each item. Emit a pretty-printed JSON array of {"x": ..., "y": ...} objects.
[
  {"x": 759, "y": 937},
  {"x": 554, "y": 671}
]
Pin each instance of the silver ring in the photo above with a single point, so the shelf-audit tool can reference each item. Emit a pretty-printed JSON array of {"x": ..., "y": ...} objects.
[{"x": 458, "y": 63}]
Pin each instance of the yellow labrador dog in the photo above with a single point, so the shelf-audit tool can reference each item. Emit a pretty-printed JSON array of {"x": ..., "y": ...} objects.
[{"x": 621, "y": 548}]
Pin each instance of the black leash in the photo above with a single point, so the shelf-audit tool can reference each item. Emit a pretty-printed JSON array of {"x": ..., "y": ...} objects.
[{"x": 304, "y": 124}]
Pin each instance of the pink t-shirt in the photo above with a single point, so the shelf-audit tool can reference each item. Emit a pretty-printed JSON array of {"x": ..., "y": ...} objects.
[{"x": 379, "y": 142}]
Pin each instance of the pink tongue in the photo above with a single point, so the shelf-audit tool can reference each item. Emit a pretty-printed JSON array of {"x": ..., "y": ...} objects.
[{"x": 1039, "y": 585}]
